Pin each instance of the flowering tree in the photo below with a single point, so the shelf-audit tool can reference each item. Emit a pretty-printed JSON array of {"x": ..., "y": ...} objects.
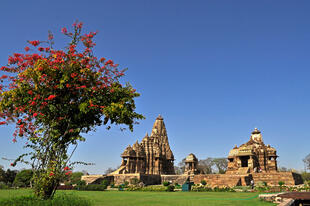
[{"x": 53, "y": 96}]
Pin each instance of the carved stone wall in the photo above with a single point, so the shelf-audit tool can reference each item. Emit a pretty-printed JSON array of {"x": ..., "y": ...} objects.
[{"x": 152, "y": 156}]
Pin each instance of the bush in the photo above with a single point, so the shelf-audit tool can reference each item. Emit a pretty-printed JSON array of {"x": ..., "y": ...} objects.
[
  {"x": 134, "y": 181},
  {"x": 80, "y": 183},
  {"x": 305, "y": 176},
  {"x": 126, "y": 183},
  {"x": 203, "y": 182},
  {"x": 281, "y": 183},
  {"x": 23, "y": 178},
  {"x": 3, "y": 186},
  {"x": 166, "y": 183},
  {"x": 154, "y": 188},
  {"x": 59, "y": 200},
  {"x": 105, "y": 182},
  {"x": 92, "y": 187},
  {"x": 170, "y": 188}
]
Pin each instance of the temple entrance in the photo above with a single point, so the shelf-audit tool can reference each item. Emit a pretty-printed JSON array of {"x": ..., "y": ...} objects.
[{"x": 244, "y": 161}]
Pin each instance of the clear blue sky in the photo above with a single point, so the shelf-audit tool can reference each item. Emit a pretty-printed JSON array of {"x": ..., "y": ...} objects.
[{"x": 213, "y": 69}]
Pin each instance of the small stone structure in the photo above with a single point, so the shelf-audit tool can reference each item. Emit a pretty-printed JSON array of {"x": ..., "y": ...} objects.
[
  {"x": 253, "y": 156},
  {"x": 191, "y": 165},
  {"x": 151, "y": 162}
]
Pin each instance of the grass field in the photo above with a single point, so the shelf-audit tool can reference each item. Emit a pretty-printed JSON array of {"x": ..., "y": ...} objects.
[{"x": 123, "y": 198}]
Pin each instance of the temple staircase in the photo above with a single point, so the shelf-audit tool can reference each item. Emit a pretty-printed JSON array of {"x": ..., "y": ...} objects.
[{"x": 243, "y": 170}]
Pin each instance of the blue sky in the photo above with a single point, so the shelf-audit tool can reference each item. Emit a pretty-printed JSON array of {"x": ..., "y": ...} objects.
[{"x": 213, "y": 69}]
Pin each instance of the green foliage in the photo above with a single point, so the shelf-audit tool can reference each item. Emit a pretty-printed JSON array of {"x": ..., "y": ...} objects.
[
  {"x": 59, "y": 200},
  {"x": 126, "y": 183},
  {"x": 76, "y": 177},
  {"x": 56, "y": 96},
  {"x": 105, "y": 182},
  {"x": 3, "y": 185},
  {"x": 305, "y": 176},
  {"x": 81, "y": 183},
  {"x": 281, "y": 183},
  {"x": 170, "y": 188},
  {"x": 203, "y": 182},
  {"x": 23, "y": 178},
  {"x": 92, "y": 187},
  {"x": 134, "y": 181},
  {"x": 166, "y": 183}
]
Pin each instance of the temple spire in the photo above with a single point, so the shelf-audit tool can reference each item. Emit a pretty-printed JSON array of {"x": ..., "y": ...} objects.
[{"x": 159, "y": 127}]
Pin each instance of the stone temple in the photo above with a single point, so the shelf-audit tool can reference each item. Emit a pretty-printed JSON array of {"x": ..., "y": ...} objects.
[
  {"x": 152, "y": 156},
  {"x": 253, "y": 156},
  {"x": 151, "y": 162}
]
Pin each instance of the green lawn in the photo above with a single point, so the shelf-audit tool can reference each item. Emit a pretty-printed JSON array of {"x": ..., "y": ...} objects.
[{"x": 123, "y": 198}]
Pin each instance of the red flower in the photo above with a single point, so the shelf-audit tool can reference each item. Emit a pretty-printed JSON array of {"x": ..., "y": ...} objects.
[
  {"x": 51, "y": 97},
  {"x": 74, "y": 75},
  {"x": 66, "y": 168},
  {"x": 35, "y": 42},
  {"x": 35, "y": 114},
  {"x": 51, "y": 174},
  {"x": 27, "y": 48},
  {"x": 67, "y": 85},
  {"x": 4, "y": 76},
  {"x": 68, "y": 173},
  {"x": 83, "y": 86},
  {"x": 14, "y": 140},
  {"x": 102, "y": 59},
  {"x": 30, "y": 92},
  {"x": 64, "y": 30},
  {"x": 41, "y": 49},
  {"x": 12, "y": 164}
]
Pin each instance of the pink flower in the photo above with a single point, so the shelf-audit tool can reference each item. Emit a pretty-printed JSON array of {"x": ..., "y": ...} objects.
[{"x": 35, "y": 114}]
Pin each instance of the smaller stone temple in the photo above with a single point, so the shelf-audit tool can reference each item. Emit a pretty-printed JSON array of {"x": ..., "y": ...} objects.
[
  {"x": 253, "y": 156},
  {"x": 191, "y": 165}
]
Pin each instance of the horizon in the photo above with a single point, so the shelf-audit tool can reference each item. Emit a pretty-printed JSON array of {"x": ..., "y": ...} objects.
[{"x": 214, "y": 71}]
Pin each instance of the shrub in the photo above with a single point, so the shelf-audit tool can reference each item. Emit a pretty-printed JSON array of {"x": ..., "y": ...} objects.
[
  {"x": 126, "y": 183},
  {"x": 166, "y": 183},
  {"x": 3, "y": 186},
  {"x": 59, "y": 200},
  {"x": 281, "y": 183},
  {"x": 92, "y": 187},
  {"x": 105, "y": 182},
  {"x": 134, "y": 181},
  {"x": 305, "y": 176},
  {"x": 80, "y": 182},
  {"x": 154, "y": 188},
  {"x": 203, "y": 182},
  {"x": 170, "y": 188}
]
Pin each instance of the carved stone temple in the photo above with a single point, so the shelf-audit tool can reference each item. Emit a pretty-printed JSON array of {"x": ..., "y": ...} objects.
[
  {"x": 253, "y": 156},
  {"x": 152, "y": 156},
  {"x": 151, "y": 162}
]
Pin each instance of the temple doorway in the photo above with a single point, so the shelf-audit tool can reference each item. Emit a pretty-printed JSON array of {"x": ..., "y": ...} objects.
[{"x": 244, "y": 161}]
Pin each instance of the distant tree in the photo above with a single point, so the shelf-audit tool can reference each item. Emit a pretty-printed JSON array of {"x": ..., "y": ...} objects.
[
  {"x": 109, "y": 170},
  {"x": 220, "y": 164},
  {"x": 306, "y": 161},
  {"x": 205, "y": 165},
  {"x": 177, "y": 170},
  {"x": 2, "y": 175},
  {"x": 283, "y": 169},
  {"x": 181, "y": 166},
  {"x": 76, "y": 177},
  {"x": 10, "y": 176},
  {"x": 23, "y": 178}
]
